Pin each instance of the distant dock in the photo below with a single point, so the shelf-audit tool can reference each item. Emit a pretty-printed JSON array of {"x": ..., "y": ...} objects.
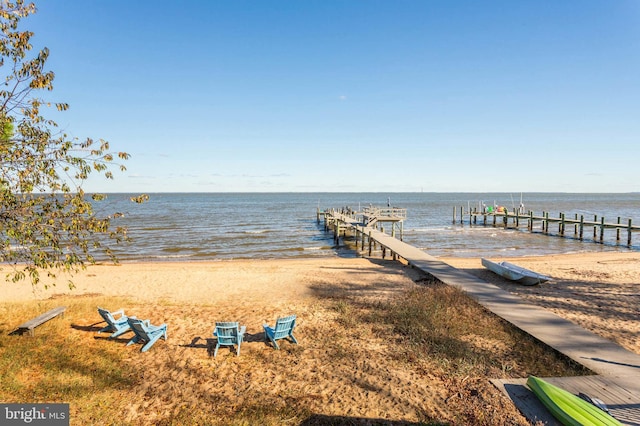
[{"x": 534, "y": 223}]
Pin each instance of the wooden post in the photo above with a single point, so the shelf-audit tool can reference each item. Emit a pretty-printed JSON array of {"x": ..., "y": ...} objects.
[
  {"x": 602, "y": 230},
  {"x": 517, "y": 217},
  {"x": 530, "y": 220},
  {"x": 461, "y": 215},
  {"x": 370, "y": 243},
  {"x": 561, "y": 225},
  {"x": 618, "y": 231},
  {"x": 575, "y": 225},
  {"x": 581, "y": 227},
  {"x": 362, "y": 242},
  {"x": 595, "y": 227},
  {"x": 356, "y": 236},
  {"x": 546, "y": 223},
  {"x": 629, "y": 234},
  {"x": 454, "y": 214},
  {"x": 401, "y": 231}
]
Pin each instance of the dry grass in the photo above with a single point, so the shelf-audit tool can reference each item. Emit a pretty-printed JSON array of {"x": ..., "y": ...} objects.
[{"x": 422, "y": 358}]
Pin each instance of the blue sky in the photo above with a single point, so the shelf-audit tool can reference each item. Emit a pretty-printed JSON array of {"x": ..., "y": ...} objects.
[{"x": 480, "y": 96}]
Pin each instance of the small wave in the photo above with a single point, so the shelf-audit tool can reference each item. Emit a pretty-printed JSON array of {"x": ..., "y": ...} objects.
[
  {"x": 180, "y": 249},
  {"x": 431, "y": 230},
  {"x": 286, "y": 249},
  {"x": 260, "y": 231}
]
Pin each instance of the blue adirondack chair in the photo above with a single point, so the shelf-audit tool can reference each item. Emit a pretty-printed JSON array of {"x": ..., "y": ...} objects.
[
  {"x": 282, "y": 330},
  {"x": 116, "y": 325},
  {"x": 145, "y": 332},
  {"x": 228, "y": 334}
]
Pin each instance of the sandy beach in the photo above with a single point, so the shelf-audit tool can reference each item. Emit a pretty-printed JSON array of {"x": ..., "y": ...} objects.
[{"x": 600, "y": 291}]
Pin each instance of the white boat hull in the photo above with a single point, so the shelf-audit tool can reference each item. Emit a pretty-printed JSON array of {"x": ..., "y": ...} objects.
[{"x": 515, "y": 273}]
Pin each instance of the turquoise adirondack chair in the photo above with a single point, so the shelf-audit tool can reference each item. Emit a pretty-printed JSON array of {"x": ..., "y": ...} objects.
[
  {"x": 228, "y": 334},
  {"x": 145, "y": 332},
  {"x": 282, "y": 330},
  {"x": 115, "y": 325}
]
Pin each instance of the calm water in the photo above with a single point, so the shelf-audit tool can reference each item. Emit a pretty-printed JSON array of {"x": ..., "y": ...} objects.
[{"x": 283, "y": 225}]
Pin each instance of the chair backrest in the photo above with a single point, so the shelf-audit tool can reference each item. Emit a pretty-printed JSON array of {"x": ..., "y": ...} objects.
[
  {"x": 227, "y": 333},
  {"x": 284, "y": 326},
  {"x": 139, "y": 328},
  {"x": 106, "y": 315}
]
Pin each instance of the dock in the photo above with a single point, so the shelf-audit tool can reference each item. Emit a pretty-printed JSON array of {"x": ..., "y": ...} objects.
[
  {"x": 611, "y": 363},
  {"x": 541, "y": 223}
]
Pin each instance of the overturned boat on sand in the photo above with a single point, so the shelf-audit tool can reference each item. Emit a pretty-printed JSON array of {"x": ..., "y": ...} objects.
[{"x": 515, "y": 273}]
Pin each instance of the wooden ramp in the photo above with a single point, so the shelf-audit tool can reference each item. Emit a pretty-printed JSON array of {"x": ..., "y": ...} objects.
[{"x": 619, "y": 368}]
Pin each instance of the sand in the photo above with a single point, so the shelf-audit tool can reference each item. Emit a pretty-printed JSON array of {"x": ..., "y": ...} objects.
[{"x": 599, "y": 291}]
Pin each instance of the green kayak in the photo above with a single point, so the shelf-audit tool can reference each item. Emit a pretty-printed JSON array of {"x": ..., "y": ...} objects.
[{"x": 568, "y": 408}]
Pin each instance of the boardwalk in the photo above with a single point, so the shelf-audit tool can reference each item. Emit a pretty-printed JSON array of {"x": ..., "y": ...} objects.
[{"x": 618, "y": 366}]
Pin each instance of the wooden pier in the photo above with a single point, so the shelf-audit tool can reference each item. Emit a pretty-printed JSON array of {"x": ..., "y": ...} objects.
[
  {"x": 617, "y": 379},
  {"x": 346, "y": 220},
  {"x": 534, "y": 223}
]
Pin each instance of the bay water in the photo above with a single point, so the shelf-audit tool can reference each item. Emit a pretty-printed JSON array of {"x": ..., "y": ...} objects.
[{"x": 222, "y": 226}]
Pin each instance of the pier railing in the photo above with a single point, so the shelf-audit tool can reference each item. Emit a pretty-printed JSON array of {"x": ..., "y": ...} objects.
[{"x": 390, "y": 212}]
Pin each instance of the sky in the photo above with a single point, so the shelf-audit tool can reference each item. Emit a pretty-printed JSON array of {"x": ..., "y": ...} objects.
[{"x": 351, "y": 95}]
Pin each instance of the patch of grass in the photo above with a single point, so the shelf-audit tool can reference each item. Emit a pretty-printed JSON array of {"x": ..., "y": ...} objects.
[
  {"x": 53, "y": 366},
  {"x": 445, "y": 324}
]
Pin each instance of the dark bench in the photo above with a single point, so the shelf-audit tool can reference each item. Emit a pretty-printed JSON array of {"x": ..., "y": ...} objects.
[{"x": 39, "y": 320}]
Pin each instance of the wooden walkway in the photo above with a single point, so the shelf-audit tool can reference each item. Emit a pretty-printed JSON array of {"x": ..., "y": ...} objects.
[{"x": 618, "y": 366}]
